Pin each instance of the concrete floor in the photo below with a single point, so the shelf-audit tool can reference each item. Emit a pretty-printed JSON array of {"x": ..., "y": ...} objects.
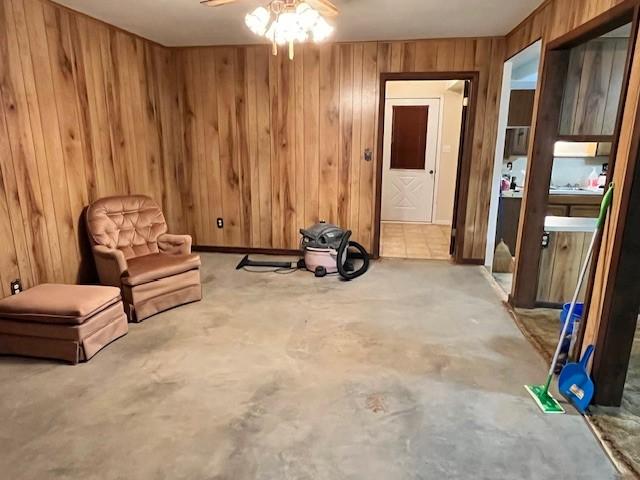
[{"x": 414, "y": 371}]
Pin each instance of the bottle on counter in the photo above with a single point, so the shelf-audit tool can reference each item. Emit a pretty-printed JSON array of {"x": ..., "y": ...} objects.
[
  {"x": 513, "y": 184},
  {"x": 602, "y": 179},
  {"x": 504, "y": 184},
  {"x": 592, "y": 180}
]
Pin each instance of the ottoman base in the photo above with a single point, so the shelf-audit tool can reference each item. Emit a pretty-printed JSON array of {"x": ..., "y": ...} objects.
[{"x": 70, "y": 343}]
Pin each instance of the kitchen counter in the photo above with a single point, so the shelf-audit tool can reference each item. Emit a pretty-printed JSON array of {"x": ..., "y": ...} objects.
[
  {"x": 561, "y": 194},
  {"x": 570, "y": 224}
]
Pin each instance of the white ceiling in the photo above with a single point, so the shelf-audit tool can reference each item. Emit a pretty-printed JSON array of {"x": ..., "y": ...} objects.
[{"x": 186, "y": 22}]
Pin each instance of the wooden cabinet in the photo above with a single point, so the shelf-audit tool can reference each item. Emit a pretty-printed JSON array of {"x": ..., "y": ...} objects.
[
  {"x": 593, "y": 87},
  {"x": 587, "y": 211},
  {"x": 521, "y": 108},
  {"x": 587, "y": 206},
  {"x": 558, "y": 210},
  {"x": 508, "y": 220},
  {"x": 516, "y": 142},
  {"x": 560, "y": 264}
]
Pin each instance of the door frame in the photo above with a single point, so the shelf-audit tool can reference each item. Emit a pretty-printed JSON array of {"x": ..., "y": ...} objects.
[
  {"x": 551, "y": 83},
  {"x": 464, "y": 154},
  {"x": 503, "y": 117},
  {"x": 617, "y": 321},
  {"x": 436, "y": 166}
]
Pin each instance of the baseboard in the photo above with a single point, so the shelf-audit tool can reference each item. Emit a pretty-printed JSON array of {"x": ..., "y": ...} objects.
[
  {"x": 246, "y": 250},
  {"x": 472, "y": 261}
]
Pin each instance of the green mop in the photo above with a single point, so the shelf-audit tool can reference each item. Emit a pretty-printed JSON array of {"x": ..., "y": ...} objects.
[{"x": 540, "y": 393}]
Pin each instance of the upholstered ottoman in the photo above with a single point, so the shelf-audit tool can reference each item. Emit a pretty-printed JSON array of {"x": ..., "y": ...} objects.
[{"x": 65, "y": 322}]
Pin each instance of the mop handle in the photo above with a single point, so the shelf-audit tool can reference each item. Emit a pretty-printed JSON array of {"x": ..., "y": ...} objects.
[{"x": 604, "y": 207}]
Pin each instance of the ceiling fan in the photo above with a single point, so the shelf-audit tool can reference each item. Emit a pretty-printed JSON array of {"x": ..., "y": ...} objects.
[{"x": 284, "y": 22}]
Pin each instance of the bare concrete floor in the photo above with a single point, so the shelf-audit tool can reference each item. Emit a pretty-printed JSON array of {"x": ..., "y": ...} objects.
[{"x": 414, "y": 371}]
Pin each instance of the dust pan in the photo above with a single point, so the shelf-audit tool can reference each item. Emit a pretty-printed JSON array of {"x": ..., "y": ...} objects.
[{"x": 575, "y": 384}]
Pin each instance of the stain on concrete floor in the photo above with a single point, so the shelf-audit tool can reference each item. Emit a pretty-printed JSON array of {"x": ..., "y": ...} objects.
[{"x": 414, "y": 371}]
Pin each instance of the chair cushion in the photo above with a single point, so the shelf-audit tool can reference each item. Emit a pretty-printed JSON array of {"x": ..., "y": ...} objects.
[
  {"x": 59, "y": 304},
  {"x": 131, "y": 224},
  {"x": 158, "y": 265}
]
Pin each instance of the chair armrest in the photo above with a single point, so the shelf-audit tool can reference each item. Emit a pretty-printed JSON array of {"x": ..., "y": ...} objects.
[
  {"x": 111, "y": 265},
  {"x": 174, "y": 244}
]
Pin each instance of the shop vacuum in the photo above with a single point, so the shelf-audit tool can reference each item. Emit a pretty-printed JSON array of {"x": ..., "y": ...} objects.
[{"x": 325, "y": 249}]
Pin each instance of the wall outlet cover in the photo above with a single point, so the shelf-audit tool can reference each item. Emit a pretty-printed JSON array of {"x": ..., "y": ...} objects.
[{"x": 16, "y": 286}]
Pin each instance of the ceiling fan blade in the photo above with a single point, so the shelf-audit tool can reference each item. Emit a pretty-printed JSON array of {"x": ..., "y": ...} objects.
[
  {"x": 216, "y": 3},
  {"x": 325, "y": 7}
]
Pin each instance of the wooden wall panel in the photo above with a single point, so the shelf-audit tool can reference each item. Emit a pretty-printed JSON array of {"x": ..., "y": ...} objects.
[
  {"x": 552, "y": 20},
  {"x": 300, "y": 128},
  {"x": 86, "y": 111},
  {"x": 266, "y": 144}
]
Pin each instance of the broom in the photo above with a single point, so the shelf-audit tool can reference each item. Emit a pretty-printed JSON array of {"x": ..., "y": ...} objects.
[
  {"x": 540, "y": 393},
  {"x": 502, "y": 258}
]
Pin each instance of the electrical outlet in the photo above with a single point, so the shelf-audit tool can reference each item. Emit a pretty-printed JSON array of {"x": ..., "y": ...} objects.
[
  {"x": 16, "y": 286},
  {"x": 546, "y": 238},
  {"x": 220, "y": 223}
]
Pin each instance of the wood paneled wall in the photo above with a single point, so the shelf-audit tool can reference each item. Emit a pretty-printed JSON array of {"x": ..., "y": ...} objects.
[
  {"x": 269, "y": 145},
  {"x": 272, "y": 145},
  {"x": 552, "y": 20},
  {"x": 86, "y": 111}
]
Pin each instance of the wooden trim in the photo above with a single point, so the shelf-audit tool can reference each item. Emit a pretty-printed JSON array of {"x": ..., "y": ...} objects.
[
  {"x": 346, "y": 42},
  {"x": 613, "y": 18},
  {"x": 612, "y": 160},
  {"x": 470, "y": 261},
  {"x": 246, "y": 250},
  {"x": 528, "y": 257},
  {"x": 621, "y": 302},
  {"x": 621, "y": 299},
  {"x": 586, "y": 138},
  {"x": 537, "y": 188},
  {"x": 461, "y": 196}
]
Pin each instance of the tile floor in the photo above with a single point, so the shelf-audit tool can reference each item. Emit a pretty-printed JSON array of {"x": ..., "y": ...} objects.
[
  {"x": 505, "y": 280},
  {"x": 415, "y": 240}
]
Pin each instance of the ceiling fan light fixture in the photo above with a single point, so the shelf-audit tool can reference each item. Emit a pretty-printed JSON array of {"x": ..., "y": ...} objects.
[
  {"x": 321, "y": 30},
  {"x": 258, "y": 20},
  {"x": 307, "y": 16},
  {"x": 284, "y": 22}
]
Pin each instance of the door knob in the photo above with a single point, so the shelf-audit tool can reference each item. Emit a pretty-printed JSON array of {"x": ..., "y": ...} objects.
[{"x": 431, "y": 172}]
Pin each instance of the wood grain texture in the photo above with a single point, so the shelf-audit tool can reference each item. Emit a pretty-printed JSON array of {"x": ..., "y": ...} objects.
[
  {"x": 232, "y": 132},
  {"x": 86, "y": 111},
  {"x": 297, "y": 137},
  {"x": 549, "y": 22}
]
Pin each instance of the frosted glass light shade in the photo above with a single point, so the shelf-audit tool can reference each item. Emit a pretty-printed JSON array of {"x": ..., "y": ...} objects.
[{"x": 258, "y": 20}]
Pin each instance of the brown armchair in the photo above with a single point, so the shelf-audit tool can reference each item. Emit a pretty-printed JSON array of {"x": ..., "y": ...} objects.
[{"x": 133, "y": 251}]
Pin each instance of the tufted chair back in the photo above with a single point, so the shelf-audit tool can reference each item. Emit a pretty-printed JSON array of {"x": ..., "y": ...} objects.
[{"x": 131, "y": 224}]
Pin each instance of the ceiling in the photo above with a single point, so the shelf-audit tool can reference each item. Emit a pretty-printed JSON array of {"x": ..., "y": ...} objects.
[{"x": 186, "y": 22}]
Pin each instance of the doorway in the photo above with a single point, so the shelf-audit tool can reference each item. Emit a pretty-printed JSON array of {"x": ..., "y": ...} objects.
[
  {"x": 421, "y": 146},
  {"x": 520, "y": 80}
]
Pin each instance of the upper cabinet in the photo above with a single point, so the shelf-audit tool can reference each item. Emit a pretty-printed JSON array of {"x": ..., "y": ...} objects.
[
  {"x": 593, "y": 87},
  {"x": 520, "y": 108}
]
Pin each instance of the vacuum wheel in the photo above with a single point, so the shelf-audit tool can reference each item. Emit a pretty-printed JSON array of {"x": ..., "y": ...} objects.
[{"x": 320, "y": 272}]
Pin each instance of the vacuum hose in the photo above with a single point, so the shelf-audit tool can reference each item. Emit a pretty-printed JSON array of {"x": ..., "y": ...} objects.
[{"x": 343, "y": 256}]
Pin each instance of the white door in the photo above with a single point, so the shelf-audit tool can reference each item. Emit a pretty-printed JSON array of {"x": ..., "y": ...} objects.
[{"x": 408, "y": 178}]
